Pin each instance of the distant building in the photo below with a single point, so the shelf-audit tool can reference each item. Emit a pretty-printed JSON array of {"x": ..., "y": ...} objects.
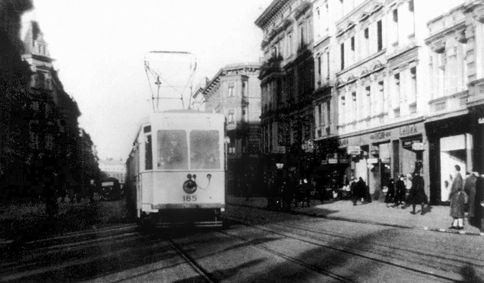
[
  {"x": 115, "y": 168},
  {"x": 235, "y": 92},
  {"x": 53, "y": 126}
]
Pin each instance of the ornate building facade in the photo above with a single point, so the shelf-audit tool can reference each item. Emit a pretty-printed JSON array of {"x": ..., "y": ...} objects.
[
  {"x": 379, "y": 91},
  {"x": 455, "y": 119},
  {"x": 287, "y": 83}
]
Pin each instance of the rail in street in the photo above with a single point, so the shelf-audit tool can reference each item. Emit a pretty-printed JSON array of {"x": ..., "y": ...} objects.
[{"x": 256, "y": 246}]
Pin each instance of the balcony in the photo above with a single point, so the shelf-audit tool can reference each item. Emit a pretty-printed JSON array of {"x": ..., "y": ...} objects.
[{"x": 273, "y": 64}]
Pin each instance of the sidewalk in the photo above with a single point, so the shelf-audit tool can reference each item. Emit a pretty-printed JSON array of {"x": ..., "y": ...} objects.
[{"x": 437, "y": 219}]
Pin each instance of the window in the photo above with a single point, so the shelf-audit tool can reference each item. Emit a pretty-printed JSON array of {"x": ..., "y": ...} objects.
[
  {"x": 319, "y": 66},
  {"x": 352, "y": 43},
  {"x": 379, "y": 35},
  {"x": 381, "y": 96},
  {"x": 366, "y": 42},
  {"x": 411, "y": 6},
  {"x": 204, "y": 149},
  {"x": 244, "y": 89},
  {"x": 301, "y": 35},
  {"x": 342, "y": 48},
  {"x": 289, "y": 44},
  {"x": 368, "y": 100},
  {"x": 395, "y": 15},
  {"x": 49, "y": 142},
  {"x": 396, "y": 79},
  {"x": 231, "y": 117},
  {"x": 231, "y": 90},
  {"x": 172, "y": 149},
  {"x": 148, "y": 153},
  {"x": 413, "y": 75}
]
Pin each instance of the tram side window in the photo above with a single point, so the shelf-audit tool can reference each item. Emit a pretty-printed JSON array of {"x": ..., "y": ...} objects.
[
  {"x": 148, "y": 153},
  {"x": 204, "y": 149},
  {"x": 172, "y": 149}
]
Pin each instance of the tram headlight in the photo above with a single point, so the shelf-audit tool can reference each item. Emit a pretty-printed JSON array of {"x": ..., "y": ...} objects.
[{"x": 189, "y": 186}]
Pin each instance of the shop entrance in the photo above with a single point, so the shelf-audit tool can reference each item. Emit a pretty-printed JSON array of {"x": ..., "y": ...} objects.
[{"x": 454, "y": 150}]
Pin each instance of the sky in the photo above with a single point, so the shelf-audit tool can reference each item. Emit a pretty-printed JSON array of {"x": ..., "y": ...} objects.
[{"x": 99, "y": 48}]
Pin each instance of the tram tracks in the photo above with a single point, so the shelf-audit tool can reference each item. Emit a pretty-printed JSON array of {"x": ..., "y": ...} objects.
[
  {"x": 282, "y": 231},
  {"x": 204, "y": 274}
]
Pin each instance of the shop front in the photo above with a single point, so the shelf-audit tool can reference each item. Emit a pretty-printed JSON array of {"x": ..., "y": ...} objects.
[
  {"x": 381, "y": 155},
  {"x": 477, "y": 128},
  {"x": 332, "y": 166},
  {"x": 451, "y": 143}
]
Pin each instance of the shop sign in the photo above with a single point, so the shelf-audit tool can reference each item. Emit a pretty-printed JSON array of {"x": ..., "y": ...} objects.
[
  {"x": 344, "y": 161},
  {"x": 324, "y": 162},
  {"x": 407, "y": 144},
  {"x": 385, "y": 160},
  {"x": 333, "y": 161},
  {"x": 417, "y": 146},
  {"x": 408, "y": 130},
  {"x": 480, "y": 120},
  {"x": 354, "y": 150},
  {"x": 372, "y": 160},
  {"x": 381, "y": 135}
]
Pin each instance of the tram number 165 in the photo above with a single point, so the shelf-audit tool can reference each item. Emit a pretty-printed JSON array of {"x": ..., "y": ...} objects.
[{"x": 189, "y": 198}]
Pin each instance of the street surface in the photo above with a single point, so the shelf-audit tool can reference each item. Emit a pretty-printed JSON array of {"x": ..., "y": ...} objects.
[{"x": 256, "y": 246}]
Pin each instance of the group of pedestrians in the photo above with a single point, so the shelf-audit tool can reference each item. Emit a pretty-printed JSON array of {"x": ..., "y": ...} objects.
[
  {"x": 289, "y": 190},
  {"x": 359, "y": 191},
  {"x": 464, "y": 197},
  {"x": 407, "y": 190}
]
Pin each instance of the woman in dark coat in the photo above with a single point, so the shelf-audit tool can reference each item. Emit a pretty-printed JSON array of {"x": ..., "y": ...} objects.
[
  {"x": 457, "y": 201},
  {"x": 417, "y": 192},
  {"x": 390, "y": 196},
  {"x": 361, "y": 188},
  {"x": 400, "y": 190},
  {"x": 470, "y": 189}
]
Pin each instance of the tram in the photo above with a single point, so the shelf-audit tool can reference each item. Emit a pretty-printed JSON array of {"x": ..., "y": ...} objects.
[{"x": 176, "y": 169}]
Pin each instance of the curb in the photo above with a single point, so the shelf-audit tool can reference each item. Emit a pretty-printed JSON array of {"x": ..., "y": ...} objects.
[{"x": 312, "y": 214}]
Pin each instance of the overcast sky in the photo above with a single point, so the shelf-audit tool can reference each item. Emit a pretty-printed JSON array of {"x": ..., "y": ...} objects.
[{"x": 99, "y": 49}]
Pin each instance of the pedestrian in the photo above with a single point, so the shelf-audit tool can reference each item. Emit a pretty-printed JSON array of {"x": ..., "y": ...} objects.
[
  {"x": 390, "y": 195},
  {"x": 355, "y": 195},
  {"x": 470, "y": 190},
  {"x": 457, "y": 199},
  {"x": 400, "y": 190},
  {"x": 361, "y": 188},
  {"x": 417, "y": 193},
  {"x": 479, "y": 203},
  {"x": 408, "y": 186}
]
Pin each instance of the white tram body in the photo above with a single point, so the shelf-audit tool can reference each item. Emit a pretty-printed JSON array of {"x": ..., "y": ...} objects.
[{"x": 177, "y": 168}]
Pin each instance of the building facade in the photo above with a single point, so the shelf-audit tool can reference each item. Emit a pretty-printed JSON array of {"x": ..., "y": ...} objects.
[
  {"x": 235, "y": 92},
  {"x": 383, "y": 94},
  {"x": 454, "y": 121},
  {"x": 287, "y": 83}
]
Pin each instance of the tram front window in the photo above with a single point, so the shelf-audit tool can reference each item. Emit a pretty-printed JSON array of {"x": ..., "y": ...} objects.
[
  {"x": 204, "y": 149},
  {"x": 172, "y": 149}
]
